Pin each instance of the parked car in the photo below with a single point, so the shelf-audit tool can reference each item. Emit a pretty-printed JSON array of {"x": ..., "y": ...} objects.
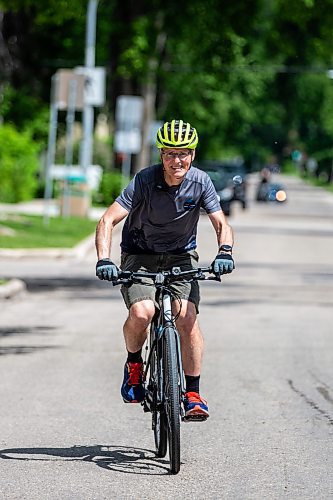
[{"x": 229, "y": 179}]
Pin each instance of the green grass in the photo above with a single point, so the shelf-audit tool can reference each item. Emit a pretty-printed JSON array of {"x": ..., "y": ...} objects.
[
  {"x": 290, "y": 169},
  {"x": 31, "y": 232},
  {"x": 317, "y": 182}
]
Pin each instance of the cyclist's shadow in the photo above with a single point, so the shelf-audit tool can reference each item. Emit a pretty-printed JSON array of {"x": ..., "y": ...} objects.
[{"x": 116, "y": 458}]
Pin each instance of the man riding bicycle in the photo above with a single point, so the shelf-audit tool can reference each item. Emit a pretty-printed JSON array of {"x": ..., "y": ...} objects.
[{"x": 162, "y": 205}]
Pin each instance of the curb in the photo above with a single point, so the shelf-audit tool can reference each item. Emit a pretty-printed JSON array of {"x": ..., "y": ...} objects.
[{"x": 13, "y": 287}]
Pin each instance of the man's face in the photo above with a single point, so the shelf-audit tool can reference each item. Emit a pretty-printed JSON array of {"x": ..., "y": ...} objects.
[{"x": 176, "y": 162}]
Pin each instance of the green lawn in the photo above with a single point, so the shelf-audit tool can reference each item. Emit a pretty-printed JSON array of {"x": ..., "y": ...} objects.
[{"x": 31, "y": 232}]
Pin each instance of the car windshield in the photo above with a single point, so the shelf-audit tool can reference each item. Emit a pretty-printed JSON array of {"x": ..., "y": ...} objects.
[
  {"x": 218, "y": 179},
  {"x": 232, "y": 170}
]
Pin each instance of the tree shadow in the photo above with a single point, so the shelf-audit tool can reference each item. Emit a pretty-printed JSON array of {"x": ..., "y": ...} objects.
[
  {"x": 8, "y": 331},
  {"x": 114, "y": 458},
  {"x": 24, "y": 349}
]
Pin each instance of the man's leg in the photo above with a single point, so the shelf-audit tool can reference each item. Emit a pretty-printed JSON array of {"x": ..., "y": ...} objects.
[
  {"x": 135, "y": 332},
  {"x": 191, "y": 338},
  {"x": 139, "y": 318},
  {"x": 192, "y": 346}
]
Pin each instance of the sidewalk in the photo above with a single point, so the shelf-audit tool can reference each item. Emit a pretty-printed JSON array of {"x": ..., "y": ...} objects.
[{"x": 42, "y": 207}]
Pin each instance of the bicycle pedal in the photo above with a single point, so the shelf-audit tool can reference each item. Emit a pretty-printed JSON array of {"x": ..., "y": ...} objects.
[
  {"x": 195, "y": 418},
  {"x": 146, "y": 408}
]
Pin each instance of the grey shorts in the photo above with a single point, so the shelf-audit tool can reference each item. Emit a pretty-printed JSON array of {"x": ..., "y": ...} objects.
[{"x": 154, "y": 263}]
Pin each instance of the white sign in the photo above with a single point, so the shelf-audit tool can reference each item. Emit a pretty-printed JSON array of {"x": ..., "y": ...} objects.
[
  {"x": 76, "y": 172},
  {"x": 127, "y": 141},
  {"x": 94, "y": 85},
  {"x": 129, "y": 112}
]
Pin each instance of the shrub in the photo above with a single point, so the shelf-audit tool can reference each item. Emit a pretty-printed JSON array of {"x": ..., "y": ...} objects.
[
  {"x": 18, "y": 165},
  {"x": 110, "y": 187}
]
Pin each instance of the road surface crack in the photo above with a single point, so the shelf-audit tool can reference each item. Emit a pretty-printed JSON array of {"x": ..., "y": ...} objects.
[{"x": 311, "y": 403}]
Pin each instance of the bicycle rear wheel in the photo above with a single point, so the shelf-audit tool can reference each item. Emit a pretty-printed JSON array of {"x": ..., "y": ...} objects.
[
  {"x": 159, "y": 418},
  {"x": 172, "y": 396}
]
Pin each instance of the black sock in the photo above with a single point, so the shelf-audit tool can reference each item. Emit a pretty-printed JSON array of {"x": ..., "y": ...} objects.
[
  {"x": 134, "y": 357},
  {"x": 192, "y": 383}
]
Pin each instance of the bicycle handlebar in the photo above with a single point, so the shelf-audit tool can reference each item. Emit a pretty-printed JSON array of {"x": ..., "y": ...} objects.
[{"x": 165, "y": 277}]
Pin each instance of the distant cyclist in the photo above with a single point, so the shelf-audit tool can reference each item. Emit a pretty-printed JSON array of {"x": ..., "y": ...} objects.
[{"x": 162, "y": 205}]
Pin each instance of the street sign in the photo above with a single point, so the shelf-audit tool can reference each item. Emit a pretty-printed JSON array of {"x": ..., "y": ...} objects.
[
  {"x": 94, "y": 85},
  {"x": 93, "y": 177},
  {"x": 62, "y": 81},
  {"x": 129, "y": 112},
  {"x": 127, "y": 141}
]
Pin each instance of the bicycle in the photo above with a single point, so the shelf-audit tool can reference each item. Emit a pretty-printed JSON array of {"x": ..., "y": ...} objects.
[{"x": 163, "y": 376}]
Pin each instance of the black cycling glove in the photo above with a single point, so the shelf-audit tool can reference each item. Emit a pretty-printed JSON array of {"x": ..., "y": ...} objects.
[
  {"x": 223, "y": 264},
  {"x": 106, "y": 270}
]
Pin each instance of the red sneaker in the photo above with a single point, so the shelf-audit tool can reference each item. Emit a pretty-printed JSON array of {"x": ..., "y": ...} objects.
[
  {"x": 196, "y": 408},
  {"x": 132, "y": 389}
]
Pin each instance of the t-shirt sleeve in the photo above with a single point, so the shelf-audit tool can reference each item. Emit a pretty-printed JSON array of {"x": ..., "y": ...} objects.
[
  {"x": 210, "y": 201},
  {"x": 125, "y": 199}
]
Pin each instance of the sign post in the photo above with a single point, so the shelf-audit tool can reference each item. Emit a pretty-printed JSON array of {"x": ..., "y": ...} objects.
[{"x": 128, "y": 138}]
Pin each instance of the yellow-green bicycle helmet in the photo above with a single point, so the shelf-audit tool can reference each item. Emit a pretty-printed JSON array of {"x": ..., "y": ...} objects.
[{"x": 177, "y": 134}]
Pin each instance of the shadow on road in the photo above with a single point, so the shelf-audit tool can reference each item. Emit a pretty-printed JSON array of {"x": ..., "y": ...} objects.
[
  {"x": 15, "y": 331},
  {"x": 114, "y": 458},
  {"x": 39, "y": 284},
  {"x": 8, "y": 331},
  {"x": 24, "y": 349}
]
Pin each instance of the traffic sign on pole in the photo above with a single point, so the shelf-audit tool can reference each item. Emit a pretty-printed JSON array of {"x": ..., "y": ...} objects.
[
  {"x": 94, "y": 85},
  {"x": 127, "y": 141},
  {"x": 129, "y": 112}
]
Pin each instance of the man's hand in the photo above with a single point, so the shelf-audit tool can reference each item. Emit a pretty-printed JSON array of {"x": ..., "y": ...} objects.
[
  {"x": 223, "y": 264},
  {"x": 106, "y": 270}
]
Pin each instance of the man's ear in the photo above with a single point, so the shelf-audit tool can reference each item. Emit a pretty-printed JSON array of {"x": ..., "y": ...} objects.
[{"x": 193, "y": 154}]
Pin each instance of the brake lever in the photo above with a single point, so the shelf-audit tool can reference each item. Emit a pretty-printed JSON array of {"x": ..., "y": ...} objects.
[{"x": 214, "y": 278}]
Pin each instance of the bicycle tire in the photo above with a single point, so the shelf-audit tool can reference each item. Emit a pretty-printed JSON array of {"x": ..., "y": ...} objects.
[
  {"x": 172, "y": 397},
  {"x": 159, "y": 418}
]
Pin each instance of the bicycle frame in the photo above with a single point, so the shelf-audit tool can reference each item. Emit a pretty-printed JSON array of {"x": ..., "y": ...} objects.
[
  {"x": 164, "y": 324},
  {"x": 165, "y": 317}
]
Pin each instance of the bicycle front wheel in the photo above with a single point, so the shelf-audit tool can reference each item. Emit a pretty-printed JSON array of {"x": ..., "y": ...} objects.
[
  {"x": 158, "y": 411},
  {"x": 172, "y": 397}
]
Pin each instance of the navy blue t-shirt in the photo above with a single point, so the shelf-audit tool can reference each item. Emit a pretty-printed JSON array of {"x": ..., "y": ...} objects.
[{"x": 164, "y": 219}]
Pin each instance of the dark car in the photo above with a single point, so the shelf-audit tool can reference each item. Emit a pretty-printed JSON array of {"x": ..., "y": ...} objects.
[{"x": 229, "y": 179}]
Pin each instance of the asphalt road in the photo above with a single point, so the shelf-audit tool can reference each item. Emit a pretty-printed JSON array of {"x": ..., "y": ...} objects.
[{"x": 267, "y": 374}]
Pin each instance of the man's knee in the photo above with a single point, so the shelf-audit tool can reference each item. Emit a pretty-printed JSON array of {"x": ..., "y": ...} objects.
[
  {"x": 187, "y": 316},
  {"x": 142, "y": 312}
]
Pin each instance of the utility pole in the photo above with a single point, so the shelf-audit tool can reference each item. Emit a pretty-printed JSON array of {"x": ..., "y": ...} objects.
[{"x": 88, "y": 110}]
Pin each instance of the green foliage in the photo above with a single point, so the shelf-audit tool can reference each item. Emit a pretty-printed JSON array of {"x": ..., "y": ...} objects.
[
  {"x": 110, "y": 188},
  {"x": 18, "y": 165},
  {"x": 55, "y": 11},
  {"x": 245, "y": 74},
  {"x": 103, "y": 154},
  {"x": 26, "y": 111}
]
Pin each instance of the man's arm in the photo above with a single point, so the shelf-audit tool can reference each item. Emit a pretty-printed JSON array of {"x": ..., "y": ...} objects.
[
  {"x": 223, "y": 262},
  {"x": 224, "y": 232},
  {"x": 114, "y": 214}
]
